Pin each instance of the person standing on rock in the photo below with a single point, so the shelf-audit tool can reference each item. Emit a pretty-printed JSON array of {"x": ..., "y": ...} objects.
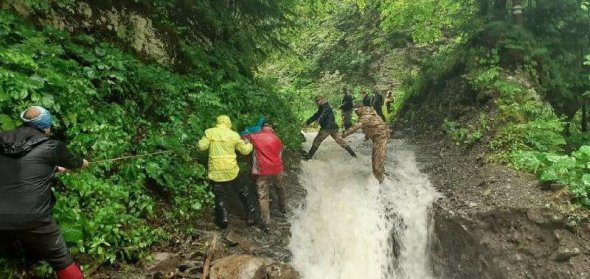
[
  {"x": 376, "y": 129},
  {"x": 267, "y": 169},
  {"x": 346, "y": 108},
  {"x": 328, "y": 127},
  {"x": 29, "y": 161},
  {"x": 222, "y": 143}
]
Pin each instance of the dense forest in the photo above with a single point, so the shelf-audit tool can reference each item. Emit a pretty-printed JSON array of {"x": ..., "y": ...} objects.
[{"x": 127, "y": 78}]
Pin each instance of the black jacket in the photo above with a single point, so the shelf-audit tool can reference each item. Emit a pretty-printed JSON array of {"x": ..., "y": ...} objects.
[
  {"x": 28, "y": 160},
  {"x": 368, "y": 101},
  {"x": 377, "y": 101},
  {"x": 347, "y": 103},
  {"x": 325, "y": 117}
]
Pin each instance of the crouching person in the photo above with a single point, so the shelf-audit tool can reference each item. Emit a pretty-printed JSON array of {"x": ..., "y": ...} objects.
[
  {"x": 375, "y": 129},
  {"x": 28, "y": 163},
  {"x": 267, "y": 169}
]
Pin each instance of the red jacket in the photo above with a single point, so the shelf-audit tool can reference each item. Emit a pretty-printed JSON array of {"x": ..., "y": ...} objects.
[{"x": 268, "y": 149}]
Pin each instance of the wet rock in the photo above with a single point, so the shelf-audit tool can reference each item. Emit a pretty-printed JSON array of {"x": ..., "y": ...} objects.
[
  {"x": 280, "y": 271},
  {"x": 164, "y": 262},
  {"x": 251, "y": 267},
  {"x": 537, "y": 217},
  {"x": 563, "y": 254},
  {"x": 235, "y": 239},
  {"x": 188, "y": 265}
]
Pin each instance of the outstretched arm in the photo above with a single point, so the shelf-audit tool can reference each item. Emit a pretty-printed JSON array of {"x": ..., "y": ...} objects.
[
  {"x": 204, "y": 143},
  {"x": 315, "y": 117},
  {"x": 244, "y": 147},
  {"x": 353, "y": 129},
  {"x": 66, "y": 160}
]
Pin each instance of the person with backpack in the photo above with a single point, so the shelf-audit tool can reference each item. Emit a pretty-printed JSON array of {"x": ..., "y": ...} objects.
[{"x": 29, "y": 160}]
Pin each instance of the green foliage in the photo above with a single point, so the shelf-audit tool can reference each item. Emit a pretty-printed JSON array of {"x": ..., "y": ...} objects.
[
  {"x": 524, "y": 122},
  {"x": 572, "y": 170},
  {"x": 107, "y": 103},
  {"x": 530, "y": 78},
  {"x": 461, "y": 135},
  {"x": 426, "y": 20}
]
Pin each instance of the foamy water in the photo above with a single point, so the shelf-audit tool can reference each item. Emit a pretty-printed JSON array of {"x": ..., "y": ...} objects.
[{"x": 345, "y": 228}]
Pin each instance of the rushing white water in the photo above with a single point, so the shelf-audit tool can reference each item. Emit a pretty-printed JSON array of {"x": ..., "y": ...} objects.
[{"x": 345, "y": 227}]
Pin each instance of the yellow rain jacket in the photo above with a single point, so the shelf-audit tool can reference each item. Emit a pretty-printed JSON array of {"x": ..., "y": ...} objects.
[{"x": 222, "y": 143}]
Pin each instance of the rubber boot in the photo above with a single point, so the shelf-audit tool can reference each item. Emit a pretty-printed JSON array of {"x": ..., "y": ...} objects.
[
  {"x": 220, "y": 210},
  {"x": 282, "y": 195},
  {"x": 311, "y": 153},
  {"x": 249, "y": 207},
  {"x": 350, "y": 151},
  {"x": 220, "y": 213},
  {"x": 72, "y": 271}
]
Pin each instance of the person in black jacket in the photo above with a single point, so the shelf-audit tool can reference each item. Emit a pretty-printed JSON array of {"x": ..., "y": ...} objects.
[
  {"x": 346, "y": 108},
  {"x": 328, "y": 127},
  {"x": 378, "y": 104},
  {"x": 367, "y": 99},
  {"x": 28, "y": 163}
]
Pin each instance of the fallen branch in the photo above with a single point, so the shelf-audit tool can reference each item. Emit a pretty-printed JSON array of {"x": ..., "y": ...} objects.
[{"x": 209, "y": 257}]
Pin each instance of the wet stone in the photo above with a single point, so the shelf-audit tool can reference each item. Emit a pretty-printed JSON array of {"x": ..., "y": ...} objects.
[
  {"x": 251, "y": 267},
  {"x": 564, "y": 253},
  {"x": 164, "y": 262}
]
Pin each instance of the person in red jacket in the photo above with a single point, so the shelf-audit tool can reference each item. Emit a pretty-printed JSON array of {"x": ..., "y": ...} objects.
[{"x": 267, "y": 169}]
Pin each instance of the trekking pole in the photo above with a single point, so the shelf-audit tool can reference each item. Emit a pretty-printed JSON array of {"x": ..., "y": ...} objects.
[{"x": 131, "y": 157}]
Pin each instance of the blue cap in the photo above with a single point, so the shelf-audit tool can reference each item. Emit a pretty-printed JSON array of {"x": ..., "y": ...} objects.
[{"x": 42, "y": 121}]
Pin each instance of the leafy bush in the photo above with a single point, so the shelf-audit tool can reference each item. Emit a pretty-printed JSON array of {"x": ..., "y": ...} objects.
[
  {"x": 107, "y": 103},
  {"x": 571, "y": 170},
  {"x": 459, "y": 134},
  {"x": 523, "y": 121}
]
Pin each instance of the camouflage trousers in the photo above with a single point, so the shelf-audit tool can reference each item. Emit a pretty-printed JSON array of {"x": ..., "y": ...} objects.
[
  {"x": 263, "y": 183},
  {"x": 379, "y": 155},
  {"x": 323, "y": 134}
]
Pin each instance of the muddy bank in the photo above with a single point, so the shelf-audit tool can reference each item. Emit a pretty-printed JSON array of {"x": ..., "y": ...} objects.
[{"x": 494, "y": 222}]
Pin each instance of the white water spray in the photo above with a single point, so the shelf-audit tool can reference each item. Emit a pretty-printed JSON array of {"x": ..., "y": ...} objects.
[{"x": 344, "y": 229}]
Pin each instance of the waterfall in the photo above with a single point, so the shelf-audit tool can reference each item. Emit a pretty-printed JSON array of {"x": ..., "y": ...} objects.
[{"x": 349, "y": 223}]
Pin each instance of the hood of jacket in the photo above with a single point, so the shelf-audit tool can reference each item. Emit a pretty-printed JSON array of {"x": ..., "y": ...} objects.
[
  {"x": 261, "y": 121},
  {"x": 224, "y": 121},
  {"x": 21, "y": 141}
]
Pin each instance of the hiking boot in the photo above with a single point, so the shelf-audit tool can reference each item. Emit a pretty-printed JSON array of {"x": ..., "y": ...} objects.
[
  {"x": 266, "y": 229},
  {"x": 350, "y": 151},
  {"x": 310, "y": 153}
]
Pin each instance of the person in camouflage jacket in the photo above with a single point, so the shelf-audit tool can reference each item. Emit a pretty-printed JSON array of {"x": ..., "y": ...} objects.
[{"x": 376, "y": 129}]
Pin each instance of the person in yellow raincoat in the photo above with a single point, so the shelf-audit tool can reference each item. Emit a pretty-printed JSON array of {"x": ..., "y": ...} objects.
[{"x": 223, "y": 143}]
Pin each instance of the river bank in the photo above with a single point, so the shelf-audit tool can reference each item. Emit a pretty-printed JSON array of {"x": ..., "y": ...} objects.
[{"x": 495, "y": 222}]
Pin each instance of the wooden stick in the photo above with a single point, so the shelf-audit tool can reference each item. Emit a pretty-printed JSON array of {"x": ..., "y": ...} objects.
[
  {"x": 210, "y": 253},
  {"x": 132, "y": 156}
]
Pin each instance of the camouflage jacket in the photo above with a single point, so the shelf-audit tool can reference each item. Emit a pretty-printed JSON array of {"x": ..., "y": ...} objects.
[{"x": 373, "y": 126}]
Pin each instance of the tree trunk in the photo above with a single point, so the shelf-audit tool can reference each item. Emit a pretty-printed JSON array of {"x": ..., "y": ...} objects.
[{"x": 517, "y": 10}]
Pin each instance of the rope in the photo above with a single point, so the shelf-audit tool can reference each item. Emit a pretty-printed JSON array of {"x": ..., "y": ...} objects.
[{"x": 131, "y": 157}]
